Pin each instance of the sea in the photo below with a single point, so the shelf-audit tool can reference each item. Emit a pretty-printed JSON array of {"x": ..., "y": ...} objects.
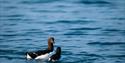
[{"x": 88, "y": 31}]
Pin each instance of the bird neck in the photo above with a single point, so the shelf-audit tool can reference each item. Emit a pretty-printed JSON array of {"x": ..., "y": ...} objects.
[{"x": 50, "y": 46}]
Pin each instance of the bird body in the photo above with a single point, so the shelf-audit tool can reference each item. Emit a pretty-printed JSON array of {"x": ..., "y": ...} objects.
[{"x": 42, "y": 54}]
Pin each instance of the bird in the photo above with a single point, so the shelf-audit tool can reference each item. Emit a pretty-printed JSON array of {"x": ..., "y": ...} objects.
[
  {"x": 42, "y": 54},
  {"x": 55, "y": 57}
]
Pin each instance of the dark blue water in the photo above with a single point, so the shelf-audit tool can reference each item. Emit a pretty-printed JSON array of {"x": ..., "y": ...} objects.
[{"x": 88, "y": 31}]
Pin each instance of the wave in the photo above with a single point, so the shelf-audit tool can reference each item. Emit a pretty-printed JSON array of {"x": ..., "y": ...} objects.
[
  {"x": 49, "y": 11},
  {"x": 12, "y": 54},
  {"x": 10, "y": 35},
  {"x": 94, "y": 2},
  {"x": 117, "y": 18},
  {"x": 115, "y": 56},
  {"x": 113, "y": 30},
  {"x": 106, "y": 43},
  {"x": 85, "y": 28},
  {"x": 75, "y": 33},
  {"x": 70, "y": 22},
  {"x": 14, "y": 15},
  {"x": 37, "y": 1}
]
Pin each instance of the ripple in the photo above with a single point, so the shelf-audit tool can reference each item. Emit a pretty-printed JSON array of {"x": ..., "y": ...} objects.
[
  {"x": 32, "y": 29},
  {"x": 12, "y": 53},
  {"x": 3, "y": 1},
  {"x": 93, "y": 55},
  {"x": 37, "y": 1},
  {"x": 49, "y": 11},
  {"x": 67, "y": 53},
  {"x": 116, "y": 56},
  {"x": 94, "y": 2},
  {"x": 114, "y": 30},
  {"x": 118, "y": 18},
  {"x": 70, "y": 22},
  {"x": 11, "y": 35},
  {"x": 53, "y": 31},
  {"x": 74, "y": 33},
  {"x": 3, "y": 46},
  {"x": 11, "y": 24},
  {"x": 14, "y": 19},
  {"x": 85, "y": 28},
  {"x": 11, "y": 57},
  {"x": 4, "y": 51},
  {"x": 107, "y": 43},
  {"x": 15, "y": 15},
  {"x": 11, "y": 7}
]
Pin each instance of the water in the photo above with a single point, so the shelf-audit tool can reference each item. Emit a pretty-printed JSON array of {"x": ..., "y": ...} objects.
[{"x": 88, "y": 31}]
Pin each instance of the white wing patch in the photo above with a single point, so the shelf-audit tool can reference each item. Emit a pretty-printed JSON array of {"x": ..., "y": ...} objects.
[
  {"x": 49, "y": 59},
  {"x": 28, "y": 57},
  {"x": 45, "y": 56}
]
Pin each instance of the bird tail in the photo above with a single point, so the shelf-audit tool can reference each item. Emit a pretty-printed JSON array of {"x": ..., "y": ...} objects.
[{"x": 28, "y": 55}]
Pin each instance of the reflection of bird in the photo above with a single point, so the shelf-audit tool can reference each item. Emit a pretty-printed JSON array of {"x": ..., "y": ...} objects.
[
  {"x": 56, "y": 56},
  {"x": 42, "y": 54}
]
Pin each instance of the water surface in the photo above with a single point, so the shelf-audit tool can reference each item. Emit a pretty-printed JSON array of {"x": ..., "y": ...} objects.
[{"x": 88, "y": 31}]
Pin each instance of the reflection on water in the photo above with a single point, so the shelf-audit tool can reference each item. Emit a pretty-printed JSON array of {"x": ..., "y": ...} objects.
[{"x": 89, "y": 31}]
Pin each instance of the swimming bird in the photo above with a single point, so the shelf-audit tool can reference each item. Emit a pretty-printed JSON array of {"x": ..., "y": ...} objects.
[
  {"x": 42, "y": 54},
  {"x": 56, "y": 56}
]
